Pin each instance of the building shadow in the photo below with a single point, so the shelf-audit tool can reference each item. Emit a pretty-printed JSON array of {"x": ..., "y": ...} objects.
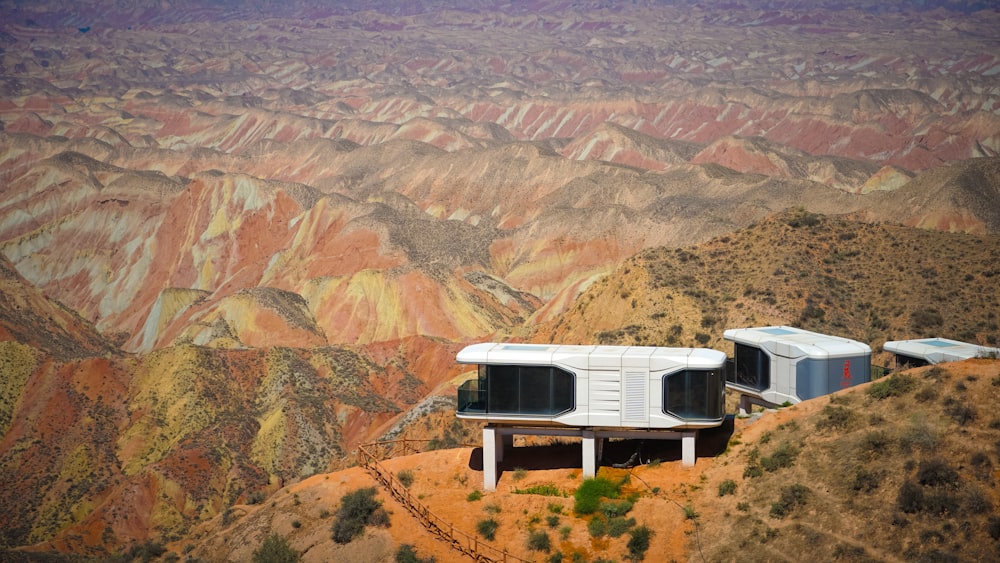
[{"x": 617, "y": 452}]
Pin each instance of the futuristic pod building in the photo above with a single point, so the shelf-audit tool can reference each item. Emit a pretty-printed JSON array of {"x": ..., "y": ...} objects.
[
  {"x": 594, "y": 392},
  {"x": 928, "y": 351},
  {"x": 781, "y": 364}
]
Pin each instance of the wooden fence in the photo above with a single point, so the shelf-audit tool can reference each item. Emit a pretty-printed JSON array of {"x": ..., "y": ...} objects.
[{"x": 371, "y": 454}]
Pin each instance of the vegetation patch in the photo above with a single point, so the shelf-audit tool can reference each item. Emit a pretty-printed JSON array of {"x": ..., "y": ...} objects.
[
  {"x": 408, "y": 554},
  {"x": 275, "y": 549},
  {"x": 539, "y": 540},
  {"x": 896, "y": 385},
  {"x": 590, "y": 493},
  {"x": 727, "y": 487},
  {"x": 792, "y": 497},
  {"x": 358, "y": 509},
  {"x": 784, "y": 456},
  {"x": 638, "y": 543},
  {"x": 405, "y": 477},
  {"x": 488, "y": 528},
  {"x": 835, "y": 417},
  {"x": 612, "y": 509},
  {"x": 619, "y": 525},
  {"x": 543, "y": 489}
]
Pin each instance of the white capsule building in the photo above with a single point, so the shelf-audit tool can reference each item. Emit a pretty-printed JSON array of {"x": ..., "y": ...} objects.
[
  {"x": 776, "y": 365},
  {"x": 593, "y": 392},
  {"x": 929, "y": 351}
]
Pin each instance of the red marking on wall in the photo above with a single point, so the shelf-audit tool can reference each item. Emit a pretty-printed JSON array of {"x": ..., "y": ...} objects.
[{"x": 846, "y": 380}]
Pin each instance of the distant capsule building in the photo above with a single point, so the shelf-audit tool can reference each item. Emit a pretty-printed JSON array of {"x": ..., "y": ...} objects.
[
  {"x": 930, "y": 351},
  {"x": 593, "y": 392},
  {"x": 775, "y": 365}
]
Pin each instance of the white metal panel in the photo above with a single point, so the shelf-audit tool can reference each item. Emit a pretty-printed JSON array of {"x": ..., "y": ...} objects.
[
  {"x": 701, "y": 358},
  {"x": 522, "y": 354},
  {"x": 638, "y": 356},
  {"x": 475, "y": 353},
  {"x": 605, "y": 397},
  {"x": 582, "y": 398},
  {"x": 791, "y": 342},
  {"x": 607, "y": 357},
  {"x": 788, "y": 370},
  {"x": 574, "y": 358}
]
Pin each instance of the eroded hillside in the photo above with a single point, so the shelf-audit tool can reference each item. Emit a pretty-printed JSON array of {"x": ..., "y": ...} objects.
[
  {"x": 901, "y": 469},
  {"x": 834, "y": 275},
  {"x": 239, "y": 238}
]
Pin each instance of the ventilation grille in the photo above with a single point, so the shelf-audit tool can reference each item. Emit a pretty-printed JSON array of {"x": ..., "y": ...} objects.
[{"x": 636, "y": 402}]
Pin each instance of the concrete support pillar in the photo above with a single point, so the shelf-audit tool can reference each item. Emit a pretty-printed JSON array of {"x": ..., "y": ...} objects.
[
  {"x": 687, "y": 448},
  {"x": 589, "y": 454},
  {"x": 745, "y": 405},
  {"x": 491, "y": 447}
]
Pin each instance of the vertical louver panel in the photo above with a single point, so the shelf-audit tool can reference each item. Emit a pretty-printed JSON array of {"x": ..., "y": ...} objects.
[{"x": 636, "y": 401}]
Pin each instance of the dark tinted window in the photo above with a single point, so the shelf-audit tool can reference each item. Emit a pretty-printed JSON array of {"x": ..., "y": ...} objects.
[
  {"x": 907, "y": 362},
  {"x": 753, "y": 368},
  {"x": 502, "y": 394},
  {"x": 529, "y": 390},
  {"x": 694, "y": 395}
]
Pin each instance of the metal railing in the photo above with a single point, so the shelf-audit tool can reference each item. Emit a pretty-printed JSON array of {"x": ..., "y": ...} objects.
[
  {"x": 471, "y": 399},
  {"x": 370, "y": 458}
]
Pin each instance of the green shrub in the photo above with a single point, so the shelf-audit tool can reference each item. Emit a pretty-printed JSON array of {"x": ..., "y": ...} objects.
[
  {"x": 799, "y": 217},
  {"x": 544, "y": 489},
  {"x": 539, "y": 541},
  {"x": 918, "y": 434},
  {"x": 910, "y": 497},
  {"x": 619, "y": 525},
  {"x": 727, "y": 487},
  {"x": 925, "y": 319},
  {"x": 689, "y": 512},
  {"x": 552, "y": 520},
  {"x": 959, "y": 411},
  {"x": 896, "y": 385},
  {"x": 993, "y": 527},
  {"x": 588, "y": 496},
  {"x": 752, "y": 470},
  {"x": 474, "y": 496},
  {"x": 146, "y": 551},
  {"x": 783, "y": 456},
  {"x": 519, "y": 473},
  {"x": 488, "y": 528},
  {"x": 866, "y": 480},
  {"x": 405, "y": 477},
  {"x": 408, "y": 554},
  {"x": 875, "y": 443},
  {"x": 834, "y": 417},
  {"x": 638, "y": 543},
  {"x": 611, "y": 509},
  {"x": 936, "y": 473},
  {"x": 791, "y": 497},
  {"x": 597, "y": 527},
  {"x": 275, "y": 549},
  {"x": 358, "y": 509}
]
